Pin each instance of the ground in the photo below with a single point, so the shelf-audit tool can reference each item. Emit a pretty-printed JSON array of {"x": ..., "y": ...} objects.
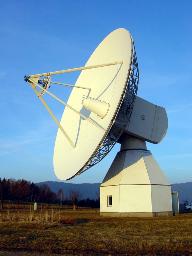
[{"x": 85, "y": 232}]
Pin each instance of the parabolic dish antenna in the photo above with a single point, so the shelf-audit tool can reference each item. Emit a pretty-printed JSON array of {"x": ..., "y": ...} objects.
[
  {"x": 103, "y": 109},
  {"x": 106, "y": 89},
  {"x": 106, "y": 86}
]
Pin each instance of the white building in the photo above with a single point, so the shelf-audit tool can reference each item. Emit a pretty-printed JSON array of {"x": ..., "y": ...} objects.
[{"x": 135, "y": 186}]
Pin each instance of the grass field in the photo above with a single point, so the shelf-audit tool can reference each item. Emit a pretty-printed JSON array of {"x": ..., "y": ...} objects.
[{"x": 84, "y": 232}]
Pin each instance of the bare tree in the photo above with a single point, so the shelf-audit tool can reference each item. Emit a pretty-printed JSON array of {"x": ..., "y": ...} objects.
[
  {"x": 74, "y": 197},
  {"x": 60, "y": 196}
]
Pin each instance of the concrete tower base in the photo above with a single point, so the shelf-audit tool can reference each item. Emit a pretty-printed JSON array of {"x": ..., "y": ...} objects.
[{"x": 135, "y": 185}]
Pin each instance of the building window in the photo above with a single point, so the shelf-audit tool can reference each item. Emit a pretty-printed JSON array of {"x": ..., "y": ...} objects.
[{"x": 109, "y": 201}]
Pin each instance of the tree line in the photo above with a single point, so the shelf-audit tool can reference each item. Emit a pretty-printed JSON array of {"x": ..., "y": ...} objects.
[{"x": 26, "y": 191}]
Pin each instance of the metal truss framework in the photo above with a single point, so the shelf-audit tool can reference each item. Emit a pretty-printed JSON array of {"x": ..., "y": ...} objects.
[{"x": 43, "y": 83}]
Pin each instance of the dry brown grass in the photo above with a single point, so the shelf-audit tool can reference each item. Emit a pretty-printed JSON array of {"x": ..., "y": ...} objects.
[{"x": 84, "y": 232}]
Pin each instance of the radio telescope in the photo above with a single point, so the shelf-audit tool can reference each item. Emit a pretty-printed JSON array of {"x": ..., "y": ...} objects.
[{"x": 102, "y": 110}]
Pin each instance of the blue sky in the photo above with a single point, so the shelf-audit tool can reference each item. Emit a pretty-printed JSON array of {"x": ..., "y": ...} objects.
[{"x": 38, "y": 36}]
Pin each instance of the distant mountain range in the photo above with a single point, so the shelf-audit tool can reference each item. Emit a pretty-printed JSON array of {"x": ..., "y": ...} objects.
[
  {"x": 184, "y": 190},
  {"x": 86, "y": 190},
  {"x": 91, "y": 190}
]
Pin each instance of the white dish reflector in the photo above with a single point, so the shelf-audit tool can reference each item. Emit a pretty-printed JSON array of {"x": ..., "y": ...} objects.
[{"x": 101, "y": 103}]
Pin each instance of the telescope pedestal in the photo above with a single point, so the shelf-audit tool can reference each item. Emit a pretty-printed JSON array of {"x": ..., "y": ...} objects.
[{"x": 134, "y": 184}]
